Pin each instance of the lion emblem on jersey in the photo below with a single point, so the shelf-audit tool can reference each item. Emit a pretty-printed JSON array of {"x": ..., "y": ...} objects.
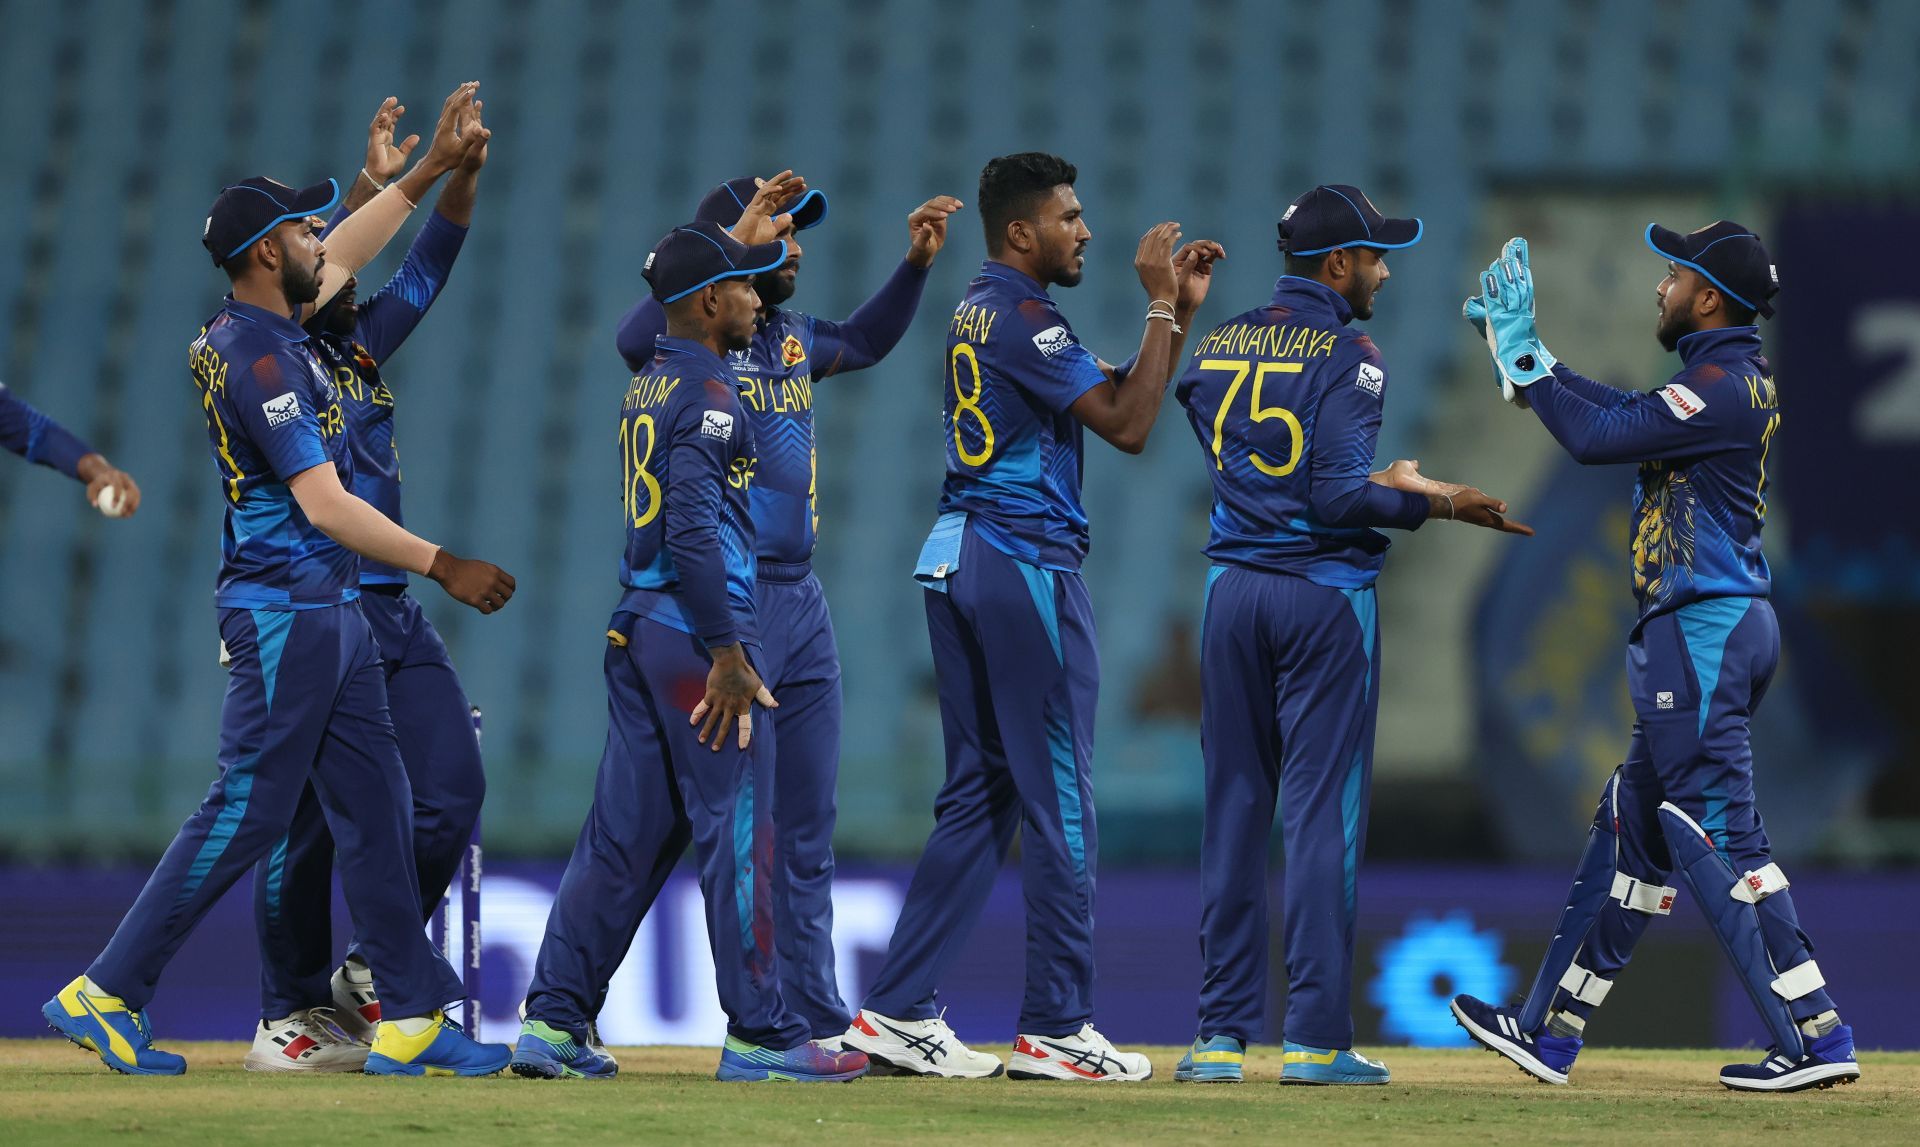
[{"x": 791, "y": 352}]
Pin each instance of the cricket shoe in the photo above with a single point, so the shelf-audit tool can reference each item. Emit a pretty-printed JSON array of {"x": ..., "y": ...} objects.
[
  {"x": 308, "y": 1040},
  {"x": 1828, "y": 1061},
  {"x": 1086, "y": 1054},
  {"x": 356, "y": 1006},
  {"x": 1541, "y": 1054},
  {"x": 1213, "y": 1059},
  {"x": 1328, "y": 1066},
  {"x": 918, "y": 1047},
  {"x": 548, "y": 1052},
  {"x": 104, "y": 1025},
  {"x": 444, "y": 1048},
  {"x": 743, "y": 1062},
  {"x": 594, "y": 1043}
]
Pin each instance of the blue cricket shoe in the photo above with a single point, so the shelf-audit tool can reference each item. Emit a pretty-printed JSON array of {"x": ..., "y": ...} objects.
[
  {"x": 1541, "y": 1054},
  {"x": 1213, "y": 1059},
  {"x": 547, "y": 1052},
  {"x": 1828, "y": 1061},
  {"x": 443, "y": 1049},
  {"x": 104, "y": 1025},
  {"x": 1325, "y": 1065},
  {"x": 741, "y": 1061}
]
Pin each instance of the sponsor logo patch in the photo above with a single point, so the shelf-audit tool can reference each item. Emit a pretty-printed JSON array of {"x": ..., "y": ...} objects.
[
  {"x": 1053, "y": 340},
  {"x": 717, "y": 424},
  {"x": 791, "y": 352},
  {"x": 282, "y": 410},
  {"x": 1683, "y": 402},
  {"x": 1663, "y": 700},
  {"x": 1370, "y": 379}
]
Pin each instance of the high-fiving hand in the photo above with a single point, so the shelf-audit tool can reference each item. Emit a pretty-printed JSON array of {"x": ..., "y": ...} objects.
[
  {"x": 386, "y": 159},
  {"x": 1193, "y": 275},
  {"x": 1503, "y": 314},
  {"x": 927, "y": 229}
]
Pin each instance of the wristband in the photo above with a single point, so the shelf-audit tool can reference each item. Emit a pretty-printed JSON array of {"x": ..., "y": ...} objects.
[
  {"x": 377, "y": 185},
  {"x": 1451, "y": 512}
]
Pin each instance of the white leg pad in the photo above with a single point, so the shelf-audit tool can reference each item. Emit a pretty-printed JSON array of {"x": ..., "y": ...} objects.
[
  {"x": 1584, "y": 986},
  {"x": 1759, "y": 884},
  {"x": 1653, "y": 899},
  {"x": 1799, "y": 980}
]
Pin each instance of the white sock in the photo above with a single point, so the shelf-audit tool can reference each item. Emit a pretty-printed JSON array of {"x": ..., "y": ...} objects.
[
  {"x": 1821, "y": 1024},
  {"x": 88, "y": 986},
  {"x": 413, "y": 1025}
]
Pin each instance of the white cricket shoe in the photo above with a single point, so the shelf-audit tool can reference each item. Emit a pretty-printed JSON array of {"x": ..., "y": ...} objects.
[
  {"x": 918, "y": 1047},
  {"x": 1084, "y": 1055},
  {"x": 309, "y": 1040},
  {"x": 356, "y": 1006}
]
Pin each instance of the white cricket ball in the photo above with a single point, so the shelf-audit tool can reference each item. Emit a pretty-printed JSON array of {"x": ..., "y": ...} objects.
[{"x": 110, "y": 502}]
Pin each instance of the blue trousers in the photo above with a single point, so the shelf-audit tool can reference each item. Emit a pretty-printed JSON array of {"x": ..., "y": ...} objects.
[
  {"x": 1019, "y": 674},
  {"x": 801, "y": 666},
  {"x": 658, "y": 788},
  {"x": 306, "y": 704},
  {"x": 1290, "y": 680},
  {"x": 434, "y": 724},
  {"x": 1696, "y": 676}
]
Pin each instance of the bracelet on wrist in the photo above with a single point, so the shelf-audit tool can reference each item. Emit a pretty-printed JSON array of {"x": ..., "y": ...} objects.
[
  {"x": 368, "y": 176},
  {"x": 1450, "y": 510}
]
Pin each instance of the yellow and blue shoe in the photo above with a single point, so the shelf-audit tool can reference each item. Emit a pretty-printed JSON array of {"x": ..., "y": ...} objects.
[
  {"x": 1325, "y": 1065},
  {"x": 104, "y": 1025},
  {"x": 443, "y": 1049},
  {"x": 1213, "y": 1059},
  {"x": 548, "y": 1052},
  {"x": 741, "y": 1061}
]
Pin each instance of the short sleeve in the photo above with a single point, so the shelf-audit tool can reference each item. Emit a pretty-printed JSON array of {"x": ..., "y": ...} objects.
[
  {"x": 1041, "y": 354},
  {"x": 275, "y": 413}
]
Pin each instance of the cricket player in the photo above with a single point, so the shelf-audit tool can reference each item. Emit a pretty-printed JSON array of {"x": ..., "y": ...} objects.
[
  {"x": 306, "y": 697},
  {"x": 687, "y": 757},
  {"x": 790, "y": 352},
  {"x": 37, "y": 438},
  {"x": 1012, "y": 627},
  {"x": 309, "y": 1002},
  {"x": 1699, "y": 660},
  {"x": 1286, "y": 401}
]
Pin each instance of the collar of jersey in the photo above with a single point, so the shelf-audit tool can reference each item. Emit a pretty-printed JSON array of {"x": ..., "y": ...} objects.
[
  {"x": 667, "y": 344},
  {"x": 1705, "y": 344},
  {"x": 1311, "y": 294},
  {"x": 994, "y": 269},
  {"x": 280, "y": 325}
]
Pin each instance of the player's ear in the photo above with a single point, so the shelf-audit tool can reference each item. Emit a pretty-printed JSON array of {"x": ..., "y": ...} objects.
[{"x": 1019, "y": 235}]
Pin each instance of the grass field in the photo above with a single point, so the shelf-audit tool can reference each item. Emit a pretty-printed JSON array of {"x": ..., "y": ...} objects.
[{"x": 52, "y": 1093}]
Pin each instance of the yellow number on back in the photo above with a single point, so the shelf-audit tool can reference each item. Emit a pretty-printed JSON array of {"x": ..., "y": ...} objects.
[
  {"x": 969, "y": 404},
  {"x": 1256, "y": 412},
  {"x": 1766, "y": 443},
  {"x": 634, "y": 461}
]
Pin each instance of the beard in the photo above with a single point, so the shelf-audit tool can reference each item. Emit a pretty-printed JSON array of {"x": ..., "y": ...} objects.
[
  {"x": 1361, "y": 301},
  {"x": 301, "y": 285},
  {"x": 1672, "y": 329},
  {"x": 774, "y": 287},
  {"x": 1070, "y": 271},
  {"x": 740, "y": 338}
]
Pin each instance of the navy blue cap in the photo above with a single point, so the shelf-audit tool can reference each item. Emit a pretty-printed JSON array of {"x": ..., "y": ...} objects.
[
  {"x": 1339, "y": 215},
  {"x": 726, "y": 203},
  {"x": 1730, "y": 256},
  {"x": 247, "y": 210},
  {"x": 696, "y": 254}
]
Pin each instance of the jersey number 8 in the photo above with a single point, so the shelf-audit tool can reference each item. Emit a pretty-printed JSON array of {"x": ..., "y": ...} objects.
[
  {"x": 1256, "y": 412},
  {"x": 969, "y": 404}
]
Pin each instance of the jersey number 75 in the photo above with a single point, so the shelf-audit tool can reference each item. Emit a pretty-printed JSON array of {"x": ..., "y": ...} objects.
[{"x": 1256, "y": 412}]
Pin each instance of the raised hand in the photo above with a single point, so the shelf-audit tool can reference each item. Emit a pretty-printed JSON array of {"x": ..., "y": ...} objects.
[
  {"x": 1153, "y": 262},
  {"x": 475, "y": 134},
  {"x": 470, "y": 581},
  {"x": 732, "y": 688},
  {"x": 1503, "y": 312},
  {"x": 761, "y": 221},
  {"x": 386, "y": 159},
  {"x": 1193, "y": 274},
  {"x": 447, "y": 148},
  {"x": 927, "y": 229}
]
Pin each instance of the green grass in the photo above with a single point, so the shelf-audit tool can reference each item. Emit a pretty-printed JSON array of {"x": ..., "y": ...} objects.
[{"x": 52, "y": 1093}]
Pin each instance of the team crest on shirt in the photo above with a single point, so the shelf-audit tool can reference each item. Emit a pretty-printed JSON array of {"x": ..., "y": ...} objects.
[
  {"x": 791, "y": 352},
  {"x": 1053, "y": 340},
  {"x": 281, "y": 410},
  {"x": 1370, "y": 379},
  {"x": 717, "y": 424}
]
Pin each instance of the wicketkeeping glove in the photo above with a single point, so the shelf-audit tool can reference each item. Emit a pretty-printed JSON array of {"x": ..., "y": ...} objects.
[{"x": 1503, "y": 313}]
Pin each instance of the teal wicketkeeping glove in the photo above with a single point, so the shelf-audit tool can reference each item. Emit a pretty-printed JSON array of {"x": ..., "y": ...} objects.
[
  {"x": 1475, "y": 310},
  {"x": 1505, "y": 310}
]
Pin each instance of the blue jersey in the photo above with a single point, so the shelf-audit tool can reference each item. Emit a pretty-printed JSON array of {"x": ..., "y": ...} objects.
[
  {"x": 1700, "y": 499},
  {"x": 272, "y": 413},
  {"x": 384, "y": 322},
  {"x": 37, "y": 438},
  {"x": 686, "y": 463},
  {"x": 791, "y": 351},
  {"x": 1286, "y": 402},
  {"x": 1014, "y": 450}
]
